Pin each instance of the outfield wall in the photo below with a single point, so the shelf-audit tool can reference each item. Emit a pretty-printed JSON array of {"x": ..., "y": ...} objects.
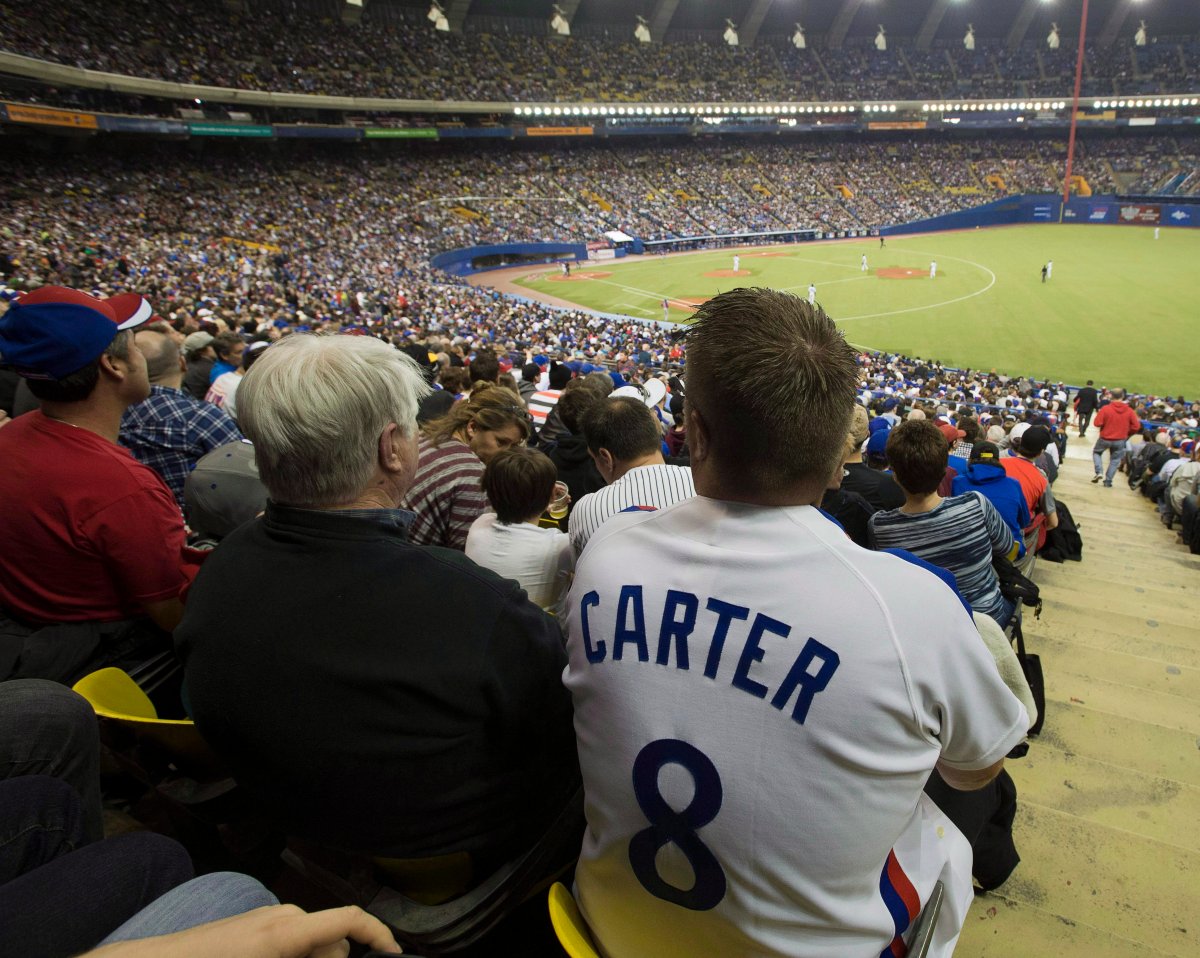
[
  {"x": 478, "y": 259},
  {"x": 1046, "y": 208}
]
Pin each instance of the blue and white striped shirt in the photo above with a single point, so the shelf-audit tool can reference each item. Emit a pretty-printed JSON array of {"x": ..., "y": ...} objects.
[{"x": 961, "y": 535}]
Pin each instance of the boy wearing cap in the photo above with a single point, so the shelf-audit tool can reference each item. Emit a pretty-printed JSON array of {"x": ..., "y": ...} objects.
[
  {"x": 91, "y": 541},
  {"x": 985, "y": 475}
]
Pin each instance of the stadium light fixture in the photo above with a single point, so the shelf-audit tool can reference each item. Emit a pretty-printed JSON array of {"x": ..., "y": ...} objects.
[
  {"x": 558, "y": 22},
  {"x": 437, "y": 16},
  {"x": 641, "y": 32},
  {"x": 731, "y": 34},
  {"x": 798, "y": 40}
]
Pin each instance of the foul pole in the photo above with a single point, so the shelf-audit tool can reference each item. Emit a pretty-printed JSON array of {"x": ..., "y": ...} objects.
[{"x": 1074, "y": 110}]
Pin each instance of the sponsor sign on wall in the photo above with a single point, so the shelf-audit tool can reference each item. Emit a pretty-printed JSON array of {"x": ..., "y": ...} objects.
[
  {"x": 1143, "y": 215},
  {"x": 47, "y": 116}
]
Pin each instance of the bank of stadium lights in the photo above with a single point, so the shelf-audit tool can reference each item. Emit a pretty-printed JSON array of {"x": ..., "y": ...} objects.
[
  {"x": 642, "y": 32},
  {"x": 437, "y": 16},
  {"x": 1143, "y": 103},
  {"x": 559, "y": 23}
]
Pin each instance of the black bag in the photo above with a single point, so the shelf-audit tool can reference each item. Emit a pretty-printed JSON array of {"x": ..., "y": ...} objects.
[
  {"x": 1064, "y": 540},
  {"x": 1031, "y": 665},
  {"x": 1016, "y": 587}
]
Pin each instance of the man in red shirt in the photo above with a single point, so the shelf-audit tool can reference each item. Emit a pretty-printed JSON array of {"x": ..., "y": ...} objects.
[
  {"x": 1020, "y": 465},
  {"x": 92, "y": 545},
  {"x": 1116, "y": 422}
]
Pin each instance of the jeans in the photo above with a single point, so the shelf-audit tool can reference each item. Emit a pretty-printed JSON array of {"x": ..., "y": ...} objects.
[
  {"x": 197, "y": 902},
  {"x": 60, "y": 895},
  {"x": 1116, "y": 449},
  {"x": 46, "y": 729}
]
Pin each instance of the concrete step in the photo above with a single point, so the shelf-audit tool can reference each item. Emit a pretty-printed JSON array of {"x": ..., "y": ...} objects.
[
  {"x": 1131, "y": 887},
  {"x": 1098, "y": 791}
]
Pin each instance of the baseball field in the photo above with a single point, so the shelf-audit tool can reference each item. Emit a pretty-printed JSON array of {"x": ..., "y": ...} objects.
[{"x": 1119, "y": 306}]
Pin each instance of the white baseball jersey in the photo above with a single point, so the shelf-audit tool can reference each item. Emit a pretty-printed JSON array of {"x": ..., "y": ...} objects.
[
  {"x": 864, "y": 263},
  {"x": 932, "y": 270},
  {"x": 737, "y": 263},
  {"x": 812, "y": 294},
  {"x": 643, "y": 489},
  {"x": 758, "y": 703}
]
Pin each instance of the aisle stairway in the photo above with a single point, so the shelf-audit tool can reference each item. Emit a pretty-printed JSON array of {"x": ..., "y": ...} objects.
[{"x": 1109, "y": 820}]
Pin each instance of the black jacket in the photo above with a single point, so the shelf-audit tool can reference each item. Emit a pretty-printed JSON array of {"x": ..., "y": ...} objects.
[
  {"x": 375, "y": 695},
  {"x": 878, "y": 488}
]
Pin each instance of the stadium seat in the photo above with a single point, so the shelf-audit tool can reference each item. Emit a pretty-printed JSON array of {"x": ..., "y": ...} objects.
[
  {"x": 168, "y": 757},
  {"x": 568, "y": 924},
  {"x": 413, "y": 912},
  {"x": 576, "y": 940}
]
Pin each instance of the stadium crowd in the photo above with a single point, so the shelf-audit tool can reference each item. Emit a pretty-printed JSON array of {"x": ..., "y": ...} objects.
[
  {"x": 925, "y": 474},
  {"x": 394, "y": 52}
]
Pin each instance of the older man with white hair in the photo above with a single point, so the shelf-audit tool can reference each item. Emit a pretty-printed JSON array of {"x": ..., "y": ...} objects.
[{"x": 374, "y": 695}]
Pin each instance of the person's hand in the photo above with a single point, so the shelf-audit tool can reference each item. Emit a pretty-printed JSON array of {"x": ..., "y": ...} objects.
[
  {"x": 278, "y": 931},
  {"x": 4, "y": 418}
]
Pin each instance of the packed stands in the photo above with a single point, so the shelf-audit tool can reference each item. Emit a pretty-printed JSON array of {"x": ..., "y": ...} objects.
[{"x": 392, "y": 52}]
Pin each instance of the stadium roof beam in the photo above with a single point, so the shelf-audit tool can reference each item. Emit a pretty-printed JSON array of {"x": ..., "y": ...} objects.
[
  {"x": 1021, "y": 24},
  {"x": 1114, "y": 23},
  {"x": 753, "y": 21},
  {"x": 660, "y": 19},
  {"x": 933, "y": 20},
  {"x": 841, "y": 23},
  {"x": 456, "y": 13}
]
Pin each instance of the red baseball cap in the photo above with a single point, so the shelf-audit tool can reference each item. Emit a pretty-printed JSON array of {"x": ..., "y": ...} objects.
[{"x": 54, "y": 331}]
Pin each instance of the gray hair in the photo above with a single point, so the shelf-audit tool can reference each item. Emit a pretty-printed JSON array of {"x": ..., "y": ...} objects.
[{"x": 315, "y": 407}]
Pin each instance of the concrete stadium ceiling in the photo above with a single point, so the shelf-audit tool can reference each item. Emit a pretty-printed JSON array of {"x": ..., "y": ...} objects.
[{"x": 993, "y": 19}]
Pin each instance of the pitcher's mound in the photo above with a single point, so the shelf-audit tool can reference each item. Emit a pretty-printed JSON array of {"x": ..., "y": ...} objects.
[
  {"x": 900, "y": 272},
  {"x": 723, "y": 273},
  {"x": 591, "y": 274}
]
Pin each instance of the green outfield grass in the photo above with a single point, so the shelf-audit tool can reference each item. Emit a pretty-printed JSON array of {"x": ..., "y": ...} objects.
[{"x": 1121, "y": 307}]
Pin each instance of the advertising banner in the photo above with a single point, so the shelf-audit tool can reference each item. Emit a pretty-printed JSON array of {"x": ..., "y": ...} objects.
[
  {"x": 1140, "y": 215},
  {"x": 558, "y": 131},
  {"x": 228, "y": 129},
  {"x": 399, "y": 133},
  {"x": 48, "y": 116},
  {"x": 135, "y": 124},
  {"x": 303, "y": 131}
]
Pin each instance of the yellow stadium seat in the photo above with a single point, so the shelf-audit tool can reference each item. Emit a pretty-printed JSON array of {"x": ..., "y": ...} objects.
[
  {"x": 144, "y": 743},
  {"x": 568, "y": 924},
  {"x": 576, "y": 940}
]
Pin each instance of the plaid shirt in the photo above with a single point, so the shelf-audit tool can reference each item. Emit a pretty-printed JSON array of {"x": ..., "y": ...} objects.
[{"x": 170, "y": 430}]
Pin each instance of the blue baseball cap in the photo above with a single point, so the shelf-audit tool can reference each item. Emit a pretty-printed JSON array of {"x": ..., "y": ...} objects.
[
  {"x": 54, "y": 331},
  {"x": 877, "y": 444}
]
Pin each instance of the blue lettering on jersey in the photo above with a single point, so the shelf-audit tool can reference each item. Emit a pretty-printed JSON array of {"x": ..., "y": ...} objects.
[
  {"x": 807, "y": 682},
  {"x": 595, "y": 653},
  {"x": 810, "y": 673},
  {"x": 679, "y": 630},
  {"x": 630, "y": 601},
  {"x": 753, "y": 652},
  {"x": 726, "y": 613}
]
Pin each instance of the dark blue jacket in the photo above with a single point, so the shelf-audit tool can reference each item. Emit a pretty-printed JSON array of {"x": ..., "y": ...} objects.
[{"x": 1003, "y": 492}]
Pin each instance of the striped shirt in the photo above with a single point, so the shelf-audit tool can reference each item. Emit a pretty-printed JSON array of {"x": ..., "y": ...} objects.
[
  {"x": 641, "y": 489},
  {"x": 540, "y": 404},
  {"x": 446, "y": 495},
  {"x": 961, "y": 535}
]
